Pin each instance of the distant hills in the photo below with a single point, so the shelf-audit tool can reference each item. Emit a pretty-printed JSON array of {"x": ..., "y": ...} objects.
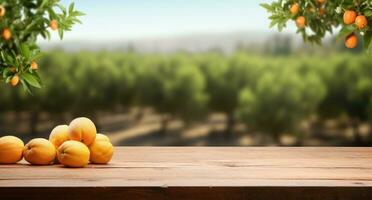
[{"x": 225, "y": 42}]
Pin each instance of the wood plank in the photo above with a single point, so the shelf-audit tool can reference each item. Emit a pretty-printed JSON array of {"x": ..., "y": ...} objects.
[
  {"x": 205, "y": 172},
  {"x": 246, "y": 193}
]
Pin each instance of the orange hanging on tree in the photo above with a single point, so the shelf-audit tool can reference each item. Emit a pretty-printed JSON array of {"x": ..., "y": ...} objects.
[
  {"x": 352, "y": 15},
  {"x": 321, "y": 1},
  {"x": 301, "y": 22},
  {"x": 14, "y": 81},
  {"x": 34, "y": 65},
  {"x": 6, "y": 34},
  {"x": 295, "y": 8},
  {"x": 322, "y": 11},
  {"x": 22, "y": 22},
  {"x": 351, "y": 41},
  {"x": 349, "y": 17},
  {"x": 53, "y": 25},
  {"x": 2, "y": 11},
  {"x": 361, "y": 21}
]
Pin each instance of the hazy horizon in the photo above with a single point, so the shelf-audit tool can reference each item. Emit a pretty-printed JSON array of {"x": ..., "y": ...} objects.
[{"x": 139, "y": 19}]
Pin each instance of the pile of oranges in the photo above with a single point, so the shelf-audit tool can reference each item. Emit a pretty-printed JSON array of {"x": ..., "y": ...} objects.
[{"x": 73, "y": 145}]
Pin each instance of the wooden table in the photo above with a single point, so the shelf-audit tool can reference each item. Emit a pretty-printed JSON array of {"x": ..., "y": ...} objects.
[{"x": 201, "y": 173}]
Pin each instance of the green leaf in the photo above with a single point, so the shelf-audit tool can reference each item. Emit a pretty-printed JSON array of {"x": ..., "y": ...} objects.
[
  {"x": 266, "y": 6},
  {"x": 78, "y": 13},
  {"x": 71, "y": 8},
  {"x": 6, "y": 72},
  {"x": 367, "y": 40},
  {"x": 7, "y": 80},
  {"x": 52, "y": 14},
  {"x": 25, "y": 51},
  {"x": 43, "y": 3},
  {"x": 62, "y": 8},
  {"x": 37, "y": 56},
  {"x": 9, "y": 59},
  {"x": 345, "y": 31},
  {"x": 60, "y": 33},
  {"x": 368, "y": 13},
  {"x": 30, "y": 79},
  {"x": 26, "y": 88}
]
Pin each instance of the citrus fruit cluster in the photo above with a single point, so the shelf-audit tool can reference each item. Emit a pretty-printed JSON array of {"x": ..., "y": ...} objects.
[
  {"x": 351, "y": 17},
  {"x": 315, "y": 18},
  {"x": 7, "y": 35},
  {"x": 73, "y": 145},
  {"x": 21, "y": 24}
]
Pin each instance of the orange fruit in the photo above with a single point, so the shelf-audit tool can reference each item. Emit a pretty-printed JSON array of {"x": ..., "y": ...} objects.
[
  {"x": 6, "y": 34},
  {"x": 13, "y": 69},
  {"x": 322, "y": 11},
  {"x": 101, "y": 150},
  {"x": 59, "y": 135},
  {"x": 73, "y": 154},
  {"x": 11, "y": 149},
  {"x": 311, "y": 9},
  {"x": 301, "y": 22},
  {"x": 295, "y": 8},
  {"x": 39, "y": 151},
  {"x": 321, "y": 1},
  {"x": 351, "y": 41},
  {"x": 349, "y": 17},
  {"x": 34, "y": 65},
  {"x": 15, "y": 80},
  {"x": 2, "y": 11},
  {"x": 53, "y": 24},
  {"x": 83, "y": 130},
  {"x": 361, "y": 21}
]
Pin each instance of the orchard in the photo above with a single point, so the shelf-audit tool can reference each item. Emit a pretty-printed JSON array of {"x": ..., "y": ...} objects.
[
  {"x": 315, "y": 18},
  {"x": 22, "y": 22}
]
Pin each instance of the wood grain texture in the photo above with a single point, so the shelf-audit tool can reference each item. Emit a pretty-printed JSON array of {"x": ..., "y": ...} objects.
[{"x": 202, "y": 173}]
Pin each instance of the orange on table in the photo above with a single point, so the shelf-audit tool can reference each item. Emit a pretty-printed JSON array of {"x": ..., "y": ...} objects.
[
  {"x": 101, "y": 150},
  {"x": 59, "y": 135},
  {"x": 39, "y": 151},
  {"x": 73, "y": 154},
  {"x": 11, "y": 149},
  {"x": 83, "y": 130}
]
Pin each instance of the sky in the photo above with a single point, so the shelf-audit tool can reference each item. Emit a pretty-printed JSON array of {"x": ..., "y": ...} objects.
[{"x": 139, "y": 19}]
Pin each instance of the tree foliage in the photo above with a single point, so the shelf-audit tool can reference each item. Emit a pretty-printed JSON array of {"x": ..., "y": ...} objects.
[
  {"x": 280, "y": 100},
  {"x": 21, "y": 23},
  {"x": 316, "y": 18},
  {"x": 173, "y": 86},
  {"x": 270, "y": 94}
]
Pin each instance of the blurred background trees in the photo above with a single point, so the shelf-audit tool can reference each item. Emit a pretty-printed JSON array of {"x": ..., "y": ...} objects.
[{"x": 257, "y": 94}]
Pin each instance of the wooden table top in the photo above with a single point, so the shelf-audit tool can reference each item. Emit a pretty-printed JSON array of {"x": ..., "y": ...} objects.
[{"x": 205, "y": 167}]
